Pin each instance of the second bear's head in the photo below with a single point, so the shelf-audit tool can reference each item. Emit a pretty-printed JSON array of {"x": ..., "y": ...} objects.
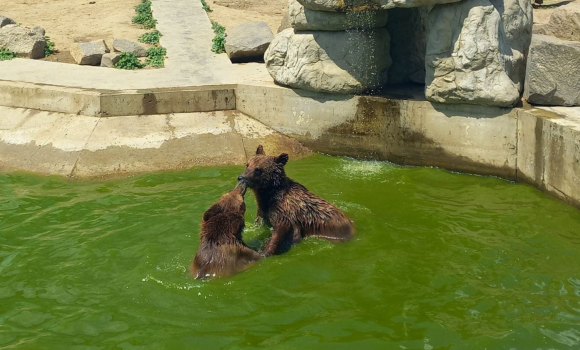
[
  {"x": 231, "y": 203},
  {"x": 264, "y": 171}
]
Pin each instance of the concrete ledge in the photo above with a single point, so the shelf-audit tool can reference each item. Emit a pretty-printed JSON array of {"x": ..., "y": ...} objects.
[
  {"x": 480, "y": 140},
  {"x": 86, "y": 146},
  {"x": 95, "y": 102}
]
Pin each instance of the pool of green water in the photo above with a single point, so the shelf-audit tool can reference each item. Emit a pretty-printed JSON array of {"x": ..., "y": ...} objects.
[{"x": 440, "y": 261}]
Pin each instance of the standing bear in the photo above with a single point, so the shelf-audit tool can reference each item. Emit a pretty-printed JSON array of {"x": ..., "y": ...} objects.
[
  {"x": 292, "y": 210},
  {"x": 221, "y": 250}
]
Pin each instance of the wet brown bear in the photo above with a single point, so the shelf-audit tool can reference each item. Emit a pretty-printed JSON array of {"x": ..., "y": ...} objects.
[
  {"x": 292, "y": 210},
  {"x": 221, "y": 250}
]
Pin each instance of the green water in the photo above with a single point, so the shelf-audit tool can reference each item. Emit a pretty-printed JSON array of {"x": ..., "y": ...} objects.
[{"x": 440, "y": 261}]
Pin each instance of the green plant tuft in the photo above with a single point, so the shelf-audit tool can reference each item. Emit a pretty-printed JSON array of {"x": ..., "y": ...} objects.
[
  {"x": 218, "y": 42},
  {"x": 6, "y": 54},
  {"x": 128, "y": 60},
  {"x": 144, "y": 15},
  {"x": 156, "y": 56},
  {"x": 205, "y": 6},
  {"x": 151, "y": 38},
  {"x": 49, "y": 48}
]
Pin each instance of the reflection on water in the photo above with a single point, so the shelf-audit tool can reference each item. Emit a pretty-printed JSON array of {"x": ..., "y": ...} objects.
[{"x": 440, "y": 261}]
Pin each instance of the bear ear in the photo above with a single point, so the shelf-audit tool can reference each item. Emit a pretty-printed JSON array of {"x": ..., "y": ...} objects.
[
  {"x": 260, "y": 150},
  {"x": 211, "y": 212},
  {"x": 282, "y": 159}
]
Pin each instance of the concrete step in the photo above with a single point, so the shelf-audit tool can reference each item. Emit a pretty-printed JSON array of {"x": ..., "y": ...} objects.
[{"x": 87, "y": 146}]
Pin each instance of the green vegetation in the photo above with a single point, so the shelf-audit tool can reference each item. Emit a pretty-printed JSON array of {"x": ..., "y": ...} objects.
[
  {"x": 218, "y": 42},
  {"x": 128, "y": 60},
  {"x": 151, "y": 38},
  {"x": 144, "y": 15},
  {"x": 156, "y": 56},
  {"x": 205, "y": 6},
  {"x": 6, "y": 54},
  {"x": 49, "y": 48}
]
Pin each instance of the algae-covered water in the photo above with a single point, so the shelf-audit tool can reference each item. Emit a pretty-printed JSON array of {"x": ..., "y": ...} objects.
[{"x": 440, "y": 261}]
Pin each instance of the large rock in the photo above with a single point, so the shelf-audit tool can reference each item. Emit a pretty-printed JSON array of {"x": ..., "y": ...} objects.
[
  {"x": 4, "y": 21},
  {"x": 476, "y": 51},
  {"x": 23, "y": 41},
  {"x": 361, "y": 5},
  {"x": 89, "y": 53},
  {"x": 302, "y": 18},
  {"x": 553, "y": 73},
  {"x": 407, "y": 28},
  {"x": 564, "y": 23},
  {"x": 336, "y": 62},
  {"x": 248, "y": 41},
  {"x": 122, "y": 45}
]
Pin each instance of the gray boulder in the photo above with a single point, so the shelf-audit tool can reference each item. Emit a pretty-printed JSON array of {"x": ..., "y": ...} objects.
[
  {"x": 552, "y": 75},
  {"x": 302, "y": 18},
  {"x": 22, "y": 41},
  {"x": 110, "y": 59},
  {"x": 89, "y": 53},
  {"x": 365, "y": 5},
  {"x": 285, "y": 22},
  {"x": 248, "y": 41},
  {"x": 122, "y": 45},
  {"x": 4, "y": 21},
  {"x": 407, "y": 27},
  {"x": 476, "y": 51},
  {"x": 335, "y": 62},
  {"x": 564, "y": 23}
]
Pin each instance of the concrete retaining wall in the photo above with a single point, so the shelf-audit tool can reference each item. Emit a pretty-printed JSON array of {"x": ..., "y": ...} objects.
[{"x": 533, "y": 146}]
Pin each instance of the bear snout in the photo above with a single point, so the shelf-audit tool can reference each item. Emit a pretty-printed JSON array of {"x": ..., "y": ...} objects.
[{"x": 241, "y": 178}]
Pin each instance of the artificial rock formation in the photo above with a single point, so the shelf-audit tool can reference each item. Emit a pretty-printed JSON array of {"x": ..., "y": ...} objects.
[
  {"x": 552, "y": 75},
  {"x": 315, "y": 61},
  {"x": 302, "y": 18},
  {"x": 476, "y": 51},
  {"x": 23, "y": 41},
  {"x": 358, "y": 5}
]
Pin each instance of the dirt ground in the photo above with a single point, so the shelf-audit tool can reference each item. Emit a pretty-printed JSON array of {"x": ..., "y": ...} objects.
[
  {"x": 229, "y": 13},
  {"x": 69, "y": 21}
]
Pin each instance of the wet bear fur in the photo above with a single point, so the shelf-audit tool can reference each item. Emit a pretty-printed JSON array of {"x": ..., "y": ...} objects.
[
  {"x": 221, "y": 251},
  {"x": 292, "y": 210}
]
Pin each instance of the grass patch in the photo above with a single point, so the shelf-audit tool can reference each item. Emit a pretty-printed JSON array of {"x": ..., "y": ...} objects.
[
  {"x": 151, "y": 38},
  {"x": 205, "y": 6},
  {"x": 218, "y": 42},
  {"x": 156, "y": 56},
  {"x": 128, "y": 60},
  {"x": 6, "y": 54},
  {"x": 144, "y": 15},
  {"x": 49, "y": 48}
]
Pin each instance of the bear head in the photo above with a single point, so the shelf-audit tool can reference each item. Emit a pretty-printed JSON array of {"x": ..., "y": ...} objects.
[
  {"x": 264, "y": 171},
  {"x": 230, "y": 203}
]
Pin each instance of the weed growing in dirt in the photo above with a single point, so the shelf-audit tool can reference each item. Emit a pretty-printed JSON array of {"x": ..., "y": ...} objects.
[
  {"x": 49, "y": 48},
  {"x": 218, "y": 42},
  {"x": 128, "y": 60},
  {"x": 156, "y": 56},
  {"x": 6, "y": 54},
  {"x": 151, "y": 38},
  {"x": 144, "y": 15},
  {"x": 205, "y": 6}
]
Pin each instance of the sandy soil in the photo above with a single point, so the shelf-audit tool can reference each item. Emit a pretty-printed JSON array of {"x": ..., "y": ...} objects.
[
  {"x": 68, "y": 21},
  {"x": 229, "y": 13}
]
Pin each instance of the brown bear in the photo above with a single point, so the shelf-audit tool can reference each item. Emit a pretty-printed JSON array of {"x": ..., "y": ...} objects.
[
  {"x": 292, "y": 210},
  {"x": 221, "y": 250}
]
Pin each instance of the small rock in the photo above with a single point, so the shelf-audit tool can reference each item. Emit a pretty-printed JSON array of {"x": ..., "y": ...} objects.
[
  {"x": 110, "y": 59},
  {"x": 89, "y": 53},
  {"x": 248, "y": 41},
  {"x": 4, "y": 21},
  {"x": 552, "y": 72},
  {"x": 564, "y": 23},
  {"x": 22, "y": 41},
  {"x": 285, "y": 22},
  {"x": 39, "y": 30},
  {"x": 122, "y": 45}
]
